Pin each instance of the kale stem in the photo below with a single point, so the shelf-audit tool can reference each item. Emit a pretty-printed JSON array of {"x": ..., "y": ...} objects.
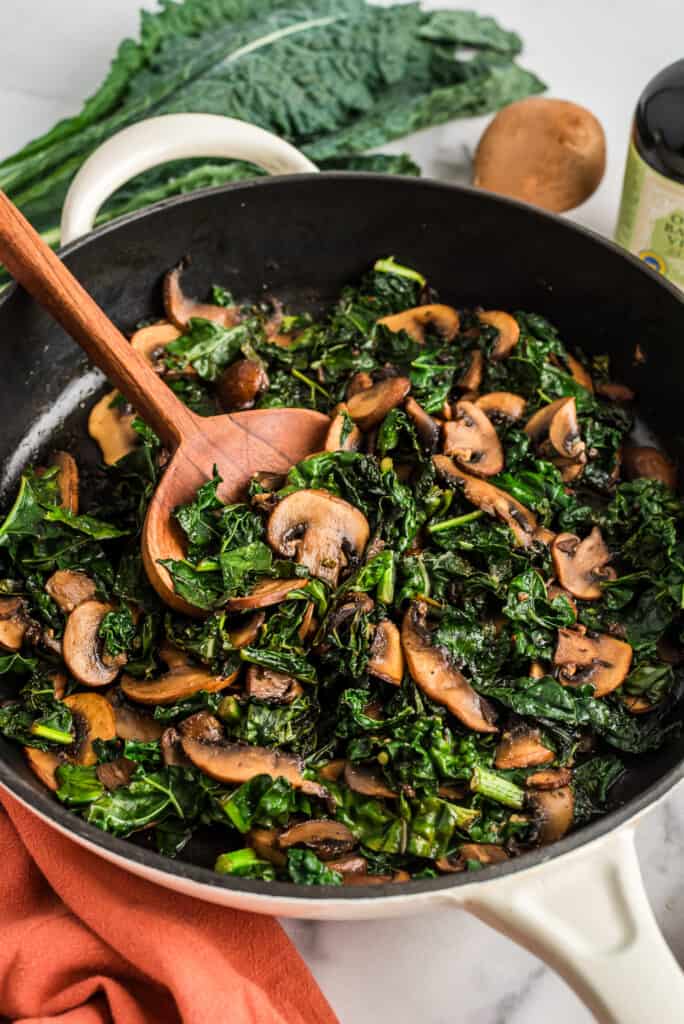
[
  {"x": 385, "y": 589},
  {"x": 312, "y": 383},
  {"x": 46, "y": 732},
  {"x": 388, "y": 266},
  {"x": 449, "y": 524},
  {"x": 496, "y": 787},
  {"x": 228, "y": 863}
]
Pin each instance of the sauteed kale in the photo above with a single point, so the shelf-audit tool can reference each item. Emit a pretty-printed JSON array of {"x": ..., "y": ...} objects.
[{"x": 429, "y": 647}]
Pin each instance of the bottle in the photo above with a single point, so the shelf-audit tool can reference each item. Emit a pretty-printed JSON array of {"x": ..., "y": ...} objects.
[{"x": 651, "y": 219}]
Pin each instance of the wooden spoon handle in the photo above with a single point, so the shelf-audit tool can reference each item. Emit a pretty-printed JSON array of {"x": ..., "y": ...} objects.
[{"x": 35, "y": 266}]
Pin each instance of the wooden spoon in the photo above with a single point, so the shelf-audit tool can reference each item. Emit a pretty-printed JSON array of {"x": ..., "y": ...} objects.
[{"x": 239, "y": 444}]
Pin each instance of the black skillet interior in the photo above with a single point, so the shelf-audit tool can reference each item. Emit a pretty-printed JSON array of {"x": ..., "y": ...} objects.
[{"x": 302, "y": 238}]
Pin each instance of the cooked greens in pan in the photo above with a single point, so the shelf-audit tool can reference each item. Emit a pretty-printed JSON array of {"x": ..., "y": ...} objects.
[{"x": 430, "y": 647}]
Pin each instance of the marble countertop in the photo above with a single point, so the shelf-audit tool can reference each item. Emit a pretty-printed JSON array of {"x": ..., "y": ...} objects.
[{"x": 445, "y": 966}]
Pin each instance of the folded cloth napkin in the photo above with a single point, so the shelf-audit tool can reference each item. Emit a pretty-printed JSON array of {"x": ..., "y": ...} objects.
[{"x": 83, "y": 942}]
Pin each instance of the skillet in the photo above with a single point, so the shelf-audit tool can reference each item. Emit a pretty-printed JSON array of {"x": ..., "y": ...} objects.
[{"x": 579, "y": 903}]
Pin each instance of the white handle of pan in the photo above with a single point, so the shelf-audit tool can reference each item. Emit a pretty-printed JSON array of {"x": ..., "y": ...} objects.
[
  {"x": 158, "y": 140},
  {"x": 588, "y": 916}
]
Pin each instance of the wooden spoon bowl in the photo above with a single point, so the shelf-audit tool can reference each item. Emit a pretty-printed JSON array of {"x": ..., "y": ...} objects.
[{"x": 237, "y": 444}]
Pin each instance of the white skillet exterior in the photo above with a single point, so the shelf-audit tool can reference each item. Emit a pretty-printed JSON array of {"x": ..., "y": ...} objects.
[{"x": 586, "y": 913}]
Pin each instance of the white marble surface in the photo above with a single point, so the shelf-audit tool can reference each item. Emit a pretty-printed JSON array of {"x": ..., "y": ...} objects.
[{"x": 444, "y": 967}]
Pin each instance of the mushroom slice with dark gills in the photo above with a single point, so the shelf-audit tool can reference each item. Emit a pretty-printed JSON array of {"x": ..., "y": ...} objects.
[
  {"x": 503, "y": 406},
  {"x": 646, "y": 461},
  {"x": 386, "y": 659},
  {"x": 522, "y": 747},
  {"x": 93, "y": 719},
  {"x": 597, "y": 659},
  {"x": 182, "y": 680},
  {"x": 443, "y": 320},
  {"x": 69, "y": 588},
  {"x": 271, "y": 686},
  {"x": 471, "y": 378},
  {"x": 369, "y": 407},
  {"x": 241, "y": 384},
  {"x": 327, "y": 838},
  {"x": 320, "y": 531},
  {"x": 492, "y": 500},
  {"x": 82, "y": 647},
  {"x": 470, "y": 438},
  {"x": 238, "y": 762},
  {"x": 559, "y": 421},
  {"x": 151, "y": 341},
  {"x": 581, "y": 565},
  {"x": 553, "y": 811},
  {"x": 343, "y": 435},
  {"x": 433, "y": 673},
  {"x": 180, "y": 309},
  {"x": 14, "y": 623},
  {"x": 508, "y": 328},
  {"x": 427, "y": 428}
]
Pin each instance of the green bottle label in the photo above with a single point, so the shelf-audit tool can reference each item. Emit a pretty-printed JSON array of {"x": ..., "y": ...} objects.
[{"x": 651, "y": 219}]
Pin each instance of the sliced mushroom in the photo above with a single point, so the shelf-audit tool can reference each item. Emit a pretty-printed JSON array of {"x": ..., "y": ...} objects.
[
  {"x": 272, "y": 687},
  {"x": 151, "y": 341},
  {"x": 44, "y": 764},
  {"x": 247, "y": 632},
  {"x": 67, "y": 480},
  {"x": 202, "y": 726},
  {"x": 508, "y": 328},
  {"x": 94, "y": 720},
  {"x": 240, "y": 385},
  {"x": 327, "y": 838},
  {"x": 238, "y": 762},
  {"x": 352, "y": 864},
  {"x": 579, "y": 373},
  {"x": 133, "y": 723},
  {"x": 182, "y": 680},
  {"x": 109, "y": 424},
  {"x": 172, "y": 751},
  {"x": 180, "y": 309},
  {"x": 471, "y": 378},
  {"x": 427, "y": 428},
  {"x": 552, "y": 778},
  {"x": 309, "y": 624},
  {"x": 333, "y": 769},
  {"x": 502, "y": 406},
  {"x": 646, "y": 461},
  {"x": 69, "y": 588},
  {"x": 359, "y": 381},
  {"x": 559, "y": 420},
  {"x": 264, "y": 842},
  {"x": 415, "y": 321},
  {"x": 82, "y": 646},
  {"x": 14, "y": 623},
  {"x": 554, "y": 590},
  {"x": 522, "y": 747},
  {"x": 553, "y": 812},
  {"x": 115, "y": 774},
  {"x": 334, "y": 440},
  {"x": 318, "y": 530},
  {"x": 491, "y": 500},
  {"x": 368, "y": 408},
  {"x": 600, "y": 659},
  {"x": 386, "y": 660},
  {"x": 581, "y": 566},
  {"x": 470, "y": 438},
  {"x": 432, "y": 672},
  {"x": 366, "y": 779},
  {"x": 482, "y": 853},
  {"x": 615, "y": 392},
  {"x": 265, "y": 594},
  {"x": 637, "y": 705},
  {"x": 536, "y": 670}
]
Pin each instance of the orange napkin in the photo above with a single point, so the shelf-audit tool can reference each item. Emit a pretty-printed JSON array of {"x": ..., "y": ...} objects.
[{"x": 83, "y": 942}]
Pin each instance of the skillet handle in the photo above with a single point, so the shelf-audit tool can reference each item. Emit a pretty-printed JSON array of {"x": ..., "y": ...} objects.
[
  {"x": 158, "y": 140},
  {"x": 589, "y": 918}
]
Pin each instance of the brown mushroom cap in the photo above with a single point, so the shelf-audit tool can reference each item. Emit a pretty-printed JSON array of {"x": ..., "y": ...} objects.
[
  {"x": 265, "y": 594},
  {"x": 81, "y": 645},
  {"x": 202, "y": 726},
  {"x": 369, "y": 407},
  {"x": 443, "y": 319},
  {"x": 182, "y": 680},
  {"x": 333, "y": 439},
  {"x": 274, "y": 687},
  {"x": 602, "y": 660},
  {"x": 581, "y": 565},
  {"x": 483, "y": 853},
  {"x": 67, "y": 480},
  {"x": 69, "y": 588},
  {"x": 386, "y": 659},
  {"x": 472, "y": 441},
  {"x": 508, "y": 328},
  {"x": 318, "y": 530},
  {"x": 491, "y": 500},
  {"x": 352, "y": 864},
  {"x": 614, "y": 392},
  {"x": 172, "y": 751},
  {"x": 237, "y": 763},
  {"x": 333, "y": 769},
  {"x": 552, "y": 778},
  {"x": 553, "y": 810},
  {"x": 522, "y": 747},
  {"x": 646, "y": 461},
  {"x": 432, "y": 672},
  {"x": 549, "y": 152},
  {"x": 328, "y": 838},
  {"x": 427, "y": 428},
  {"x": 149, "y": 341},
  {"x": 367, "y": 780},
  {"x": 14, "y": 623},
  {"x": 44, "y": 764},
  {"x": 559, "y": 420},
  {"x": 115, "y": 774},
  {"x": 502, "y": 405},
  {"x": 180, "y": 309},
  {"x": 578, "y": 373},
  {"x": 133, "y": 723},
  {"x": 359, "y": 381},
  {"x": 240, "y": 385},
  {"x": 94, "y": 720},
  {"x": 110, "y": 426}
]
